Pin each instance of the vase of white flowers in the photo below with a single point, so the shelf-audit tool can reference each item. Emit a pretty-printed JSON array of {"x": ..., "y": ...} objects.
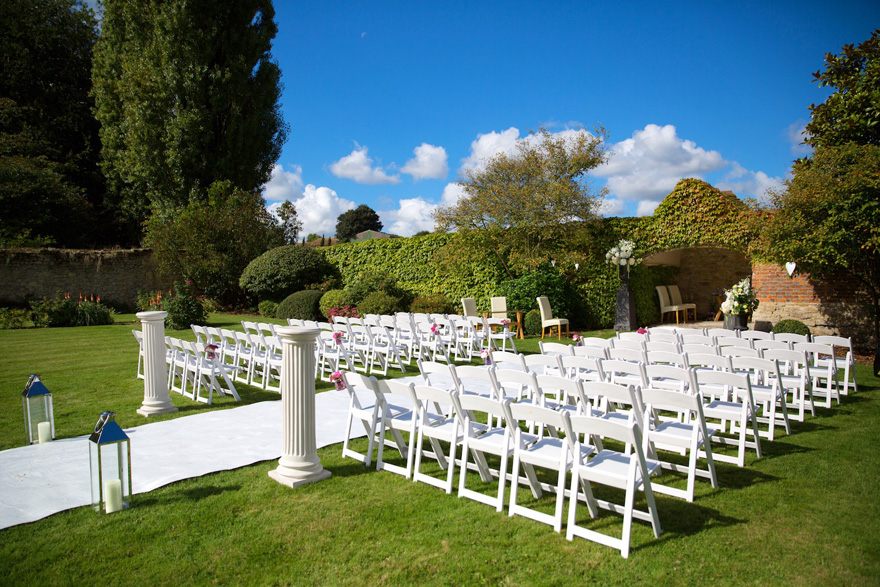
[
  {"x": 740, "y": 304},
  {"x": 622, "y": 255}
]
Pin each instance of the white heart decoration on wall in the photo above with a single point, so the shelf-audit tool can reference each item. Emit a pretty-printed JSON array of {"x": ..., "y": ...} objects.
[{"x": 790, "y": 267}]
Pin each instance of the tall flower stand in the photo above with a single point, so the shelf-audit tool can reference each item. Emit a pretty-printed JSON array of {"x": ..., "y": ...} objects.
[
  {"x": 736, "y": 321},
  {"x": 625, "y": 313}
]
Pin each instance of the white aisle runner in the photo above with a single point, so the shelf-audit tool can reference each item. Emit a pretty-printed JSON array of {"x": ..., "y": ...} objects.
[{"x": 39, "y": 480}]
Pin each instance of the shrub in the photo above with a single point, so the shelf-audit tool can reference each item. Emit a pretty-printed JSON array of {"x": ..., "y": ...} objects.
[
  {"x": 268, "y": 308},
  {"x": 302, "y": 305},
  {"x": 522, "y": 292},
  {"x": 380, "y": 303},
  {"x": 67, "y": 311},
  {"x": 344, "y": 311},
  {"x": 532, "y": 322},
  {"x": 277, "y": 273},
  {"x": 331, "y": 299},
  {"x": 184, "y": 308},
  {"x": 792, "y": 327},
  {"x": 12, "y": 318},
  {"x": 432, "y": 304},
  {"x": 367, "y": 283}
]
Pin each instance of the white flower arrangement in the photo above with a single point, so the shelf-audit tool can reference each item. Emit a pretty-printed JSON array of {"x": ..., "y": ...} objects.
[
  {"x": 622, "y": 254},
  {"x": 741, "y": 299}
]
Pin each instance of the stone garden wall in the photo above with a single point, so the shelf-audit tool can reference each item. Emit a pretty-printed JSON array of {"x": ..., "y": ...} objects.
[{"x": 115, "y": 275}]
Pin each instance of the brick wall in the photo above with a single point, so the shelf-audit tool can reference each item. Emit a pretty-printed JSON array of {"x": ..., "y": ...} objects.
[
  {"x": 827, "y": 307},
  {"x": 706, "y": 272},
  {"x": 115, "y": 275}
]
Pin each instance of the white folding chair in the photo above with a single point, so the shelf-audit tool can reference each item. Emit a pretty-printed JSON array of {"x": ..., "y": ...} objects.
[
  {"x": 470, "y": 379},
  {"x": 846, "y": 363},
  {"x": 556, "y": 348},
  {"x": 544, "y": 364},
  {"x": 727, "y": 398},
  {"x": 715, "y": 333},
  {"x": 690, "y": 434},
  {"x": 794, "y": 369},
  {"x": 822, "y": 370},
  {"x": 139, "y": 337},
  {"x": 498, "y": 331},
  {"x": 630, "y": 472},
  {"x": 767, "y": 390},
  {"x": 583, "y": 368},
  {"x": 502, "y": 360},
  {"x": 625, "y": 372},
  {"x": 437, "y": 426},
  {"x": 756, "y": 335},
  {"x": 552, "y": 452},
  {"x": 363, "y": 407},
  {"x": 397, "y": 414},
  {"x": 590, "y": 351},
  {"x": 384, "y": 349},
  {"x": 481, "y": 439},
  {"x": 791, "y": 337},
  {"x": 435, "y": 374}
]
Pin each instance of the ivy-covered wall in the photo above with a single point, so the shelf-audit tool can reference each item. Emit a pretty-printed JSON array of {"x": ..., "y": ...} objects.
[{"x": 694, "y": 214}]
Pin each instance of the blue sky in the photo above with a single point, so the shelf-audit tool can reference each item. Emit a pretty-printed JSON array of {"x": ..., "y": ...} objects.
[{"x": 387, "y": 101}]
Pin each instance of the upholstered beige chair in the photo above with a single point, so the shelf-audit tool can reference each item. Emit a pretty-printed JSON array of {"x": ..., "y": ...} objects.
[
  {"x": 675, "y": 298},
  {"x": 470, "y": 306},
  {"x": 548, "y": 321}
]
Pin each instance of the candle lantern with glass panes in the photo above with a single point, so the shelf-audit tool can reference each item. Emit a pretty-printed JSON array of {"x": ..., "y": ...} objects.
[
  {"x": 110, "y": 464},
  {"x": 36, "y": 404}
]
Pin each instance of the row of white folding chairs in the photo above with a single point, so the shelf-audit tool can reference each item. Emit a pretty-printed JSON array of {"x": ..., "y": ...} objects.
[
  {"x": 194, "y": 369},
  {"x": 253, "y": 355},
  {"x": 501, "y": 431}
]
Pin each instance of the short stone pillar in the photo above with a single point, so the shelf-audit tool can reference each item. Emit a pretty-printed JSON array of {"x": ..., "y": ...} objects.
[
  {"x": 625, "y": 313},
  {"x": 299, "y": 463},
  {"x": 156, "y": 398}
]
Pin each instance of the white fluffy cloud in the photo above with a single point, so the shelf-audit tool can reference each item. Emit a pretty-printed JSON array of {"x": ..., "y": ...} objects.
[
  {"x": 430, "y": 162},
  {"x": 647, "y": 207},
  {"x": 284, "y": 185},
  {"x": 358, "y": 166},
  {"x": 490, "y": 144},
  {"x": 414, "y": 215},
  {"x": 452, "y": 193},
  {"x": 746, "y": 183},
  {"x": 611, "y": 207},
  {"x": 648, "y": 165},
  {"x": 797, "y": 132}
]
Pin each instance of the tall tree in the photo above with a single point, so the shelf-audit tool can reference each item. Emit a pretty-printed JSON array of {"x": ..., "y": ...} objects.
[
  {"x": 350, "y": 223},
  {"x": 515, "y": 206},
  {"x": 51, "y": 190},
  {"x": 187, "y": 94},
  {"x": 290, "y": 224},
  {"x": 852, "y": 112}
]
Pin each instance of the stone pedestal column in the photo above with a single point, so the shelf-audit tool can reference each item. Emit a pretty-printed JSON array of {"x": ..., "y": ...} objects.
[
  {"x": 625, "y": 314},
  {"x": 299, "y": 463},
  {"x": 156, "y": 398}
]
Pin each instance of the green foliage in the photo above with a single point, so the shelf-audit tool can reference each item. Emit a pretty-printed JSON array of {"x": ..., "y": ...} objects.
[
  {"x": 331, "y": 299},
  {"x": 282, "y": 270},
  {"x": 532, "y": 322},
  {"x": 379, "y": 302},
  {"x": 852, "y": 113},
  {"x": 371, "y": 282},
  {"x": 51, "y": 190},
  {"x": 11, "y": 318},
  {"x": 67, "y": 311},
  {"x": 290, "y": 224},
  {"x": 187, "y": 94},
  {"x": 268, "y": 308},
  {"x": 302, "y": 305},
  {"x": 432, "y": 304},
  {"x": 517, "y": 207},
  {"x": 352, "y": 222},
  {"x": 211, "y": 242},
  {"x": 791, "y": 326},
  {"x": 522, "y": 293},
  {"x": 184, "y": 308}
]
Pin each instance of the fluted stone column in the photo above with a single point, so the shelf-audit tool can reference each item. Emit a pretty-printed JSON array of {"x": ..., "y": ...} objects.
[
  {"x": 299, "y": 463},
  {"x": 156, "y": 398}
]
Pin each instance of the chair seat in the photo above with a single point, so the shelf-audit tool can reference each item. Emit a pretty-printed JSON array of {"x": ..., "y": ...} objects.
[
  {"x": 612, "y": 468},
  {"x": 676, "y": 433},
  {"x": 554, "y": 322}
]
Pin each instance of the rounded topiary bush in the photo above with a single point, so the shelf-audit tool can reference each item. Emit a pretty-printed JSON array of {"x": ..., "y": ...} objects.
[
  {"x": 791, "y": 327},
  {"x": 379, "y": 303},
  {"x": 331, "y": 299},
  {"x": 431, "y": 304},
  {"x": 268, "y": 308},
  {"x": 302, "y": 305},
  {"x": 532, "y": 322},
  {"x": 280, "y": 271},
  {"x": 367, "y": 283}
]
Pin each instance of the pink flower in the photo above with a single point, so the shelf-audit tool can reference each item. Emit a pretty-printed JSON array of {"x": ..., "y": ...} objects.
[{"x": 642, "y": 331}]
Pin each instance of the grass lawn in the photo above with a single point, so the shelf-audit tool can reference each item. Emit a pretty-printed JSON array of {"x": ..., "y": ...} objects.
[{"x": 805, "y": 513}]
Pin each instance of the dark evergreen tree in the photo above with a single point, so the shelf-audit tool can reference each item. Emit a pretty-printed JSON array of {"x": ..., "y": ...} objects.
[{"x": 354, "y": 221}]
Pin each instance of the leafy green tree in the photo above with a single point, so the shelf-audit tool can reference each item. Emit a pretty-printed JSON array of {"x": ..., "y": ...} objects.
[
  {"x": 187, "y": 94},
  {"x": 517, "y": 207},
  {"x": 51, "y": 189},
  {"x": 827, "y": 220},
  {"x": 350, "y": 223},
  {"x": 312, "y": 236},
  {"x": 852, "y": 112},
  {"x": 211, "y": 242},
  {"x": 290, "y": 224}
]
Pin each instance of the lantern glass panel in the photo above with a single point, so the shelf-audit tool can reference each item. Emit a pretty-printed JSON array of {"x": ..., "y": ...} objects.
[
  {"x": 110, "y": 466},
  {"x": 37, "y": 409}
]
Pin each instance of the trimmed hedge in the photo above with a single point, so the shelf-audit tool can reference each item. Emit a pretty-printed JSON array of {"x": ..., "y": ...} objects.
[
  {"x": 791, "y": 327},
  {"x": 432, "y": 304},
  {"x": 331, "y": 299},
  {"x": 302, "y": 305},
  {"x": 280, "y": 271}
]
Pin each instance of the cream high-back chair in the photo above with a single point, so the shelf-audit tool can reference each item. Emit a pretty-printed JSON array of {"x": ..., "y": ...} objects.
[
  {"x": 469, "y": 305},
  {"x": 547, "y": 319},
  {"x": 499, "y": 307}
]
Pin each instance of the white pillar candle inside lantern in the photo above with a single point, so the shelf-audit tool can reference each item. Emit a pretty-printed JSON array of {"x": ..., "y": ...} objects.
[
  {"x": 110, "y": 464},
  {"x": 36, "y": 404}
]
